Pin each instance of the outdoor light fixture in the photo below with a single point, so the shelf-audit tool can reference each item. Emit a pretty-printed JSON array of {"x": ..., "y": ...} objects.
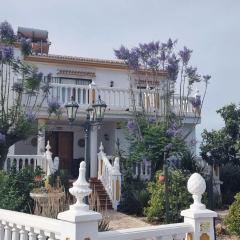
[
  {"x": 95, "y": 115},
  {"x": 99, "y": 109},
  {"x": 72, "y": 108}
]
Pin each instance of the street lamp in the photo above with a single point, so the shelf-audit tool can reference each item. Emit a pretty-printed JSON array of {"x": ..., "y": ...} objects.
[
  {"x": 99, "y": 109},
  {"x": 95, "y": 115},
  {"x": 72, "y": 108}
]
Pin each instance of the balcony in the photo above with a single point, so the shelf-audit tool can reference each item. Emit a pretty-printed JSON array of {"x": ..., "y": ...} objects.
[{"x": 120, "y": 99}]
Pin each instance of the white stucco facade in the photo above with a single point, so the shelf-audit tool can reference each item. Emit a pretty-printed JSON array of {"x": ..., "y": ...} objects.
[{"x": 110, "y": 79}]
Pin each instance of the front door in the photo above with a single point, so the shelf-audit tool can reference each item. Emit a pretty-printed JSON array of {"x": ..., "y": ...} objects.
[
  {"x": 65, "y": 150},
  {"x": 62, "y": 146}
]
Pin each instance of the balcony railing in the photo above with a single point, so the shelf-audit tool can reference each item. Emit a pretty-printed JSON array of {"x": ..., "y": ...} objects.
[{"x": 119, "y": 98}]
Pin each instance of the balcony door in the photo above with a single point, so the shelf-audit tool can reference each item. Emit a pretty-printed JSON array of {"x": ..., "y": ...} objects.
[{"x": 62, "y": 146}]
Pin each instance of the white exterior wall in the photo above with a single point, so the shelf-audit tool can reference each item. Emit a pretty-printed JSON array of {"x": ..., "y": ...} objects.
[{"x": 102, "y": 79}]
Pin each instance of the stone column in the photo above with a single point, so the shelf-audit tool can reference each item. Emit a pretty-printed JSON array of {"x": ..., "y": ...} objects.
[
  {"x": 198, "y": 216},
  {"x": 41, "y": 136},
  {"x": 93, "y": 151}
]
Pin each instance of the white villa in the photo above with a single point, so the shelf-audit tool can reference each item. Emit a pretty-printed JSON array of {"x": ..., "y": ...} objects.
[{"x": 85, "y": 79}]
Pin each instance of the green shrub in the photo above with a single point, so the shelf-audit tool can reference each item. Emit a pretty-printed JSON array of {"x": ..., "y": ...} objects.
[
  {"x": 230, "y": 175},
  {"x": 179, "y": 198},
  {"x": 232, "y": 220},
  {"x": 135, "y": 197},
  {"x": 15, "y": 188}
]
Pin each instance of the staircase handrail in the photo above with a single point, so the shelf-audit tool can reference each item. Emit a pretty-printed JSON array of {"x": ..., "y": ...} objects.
[{"x": 110, "y": 176}]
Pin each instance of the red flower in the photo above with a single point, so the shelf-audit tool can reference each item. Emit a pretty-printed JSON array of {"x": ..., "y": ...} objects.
[{"x": 38, "y": 178}]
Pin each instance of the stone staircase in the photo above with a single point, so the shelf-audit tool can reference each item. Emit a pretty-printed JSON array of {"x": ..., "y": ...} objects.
[{"x": 99, "y": 198}]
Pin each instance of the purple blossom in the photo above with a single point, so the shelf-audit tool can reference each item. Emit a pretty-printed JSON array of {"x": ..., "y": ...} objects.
[
  {"x": 153, "y": 63},
  {"x": 174, "y": 130},
  {"x": 192, "y": 75},
  {"x": 17, "y": 87},
  {"x": 122, "y": 53},
  {"x": 173, "y": 68},
  {"x": 2, "y": 138},
  {"x": 6, "y": 32},
  {"x": 148, "y": 49},
  {"x": 196, "y": 102},
  {"x": 53, "y": 107},
  {"x": 169, "y": 146},
  {"x": 170, "y": 44},
  {"x": 30, "y": 116},
  {"x": 6, "y": 54},
  {"x": 163, "y": 55},
  {"x": 152, "y": 120},
  {"x": 131, "y": 125},
  {"x": 193, "y": 142},
  {"x": 146, "y": 161},
  {"x": 185, "y": 55},
  {"x": 133, "y": 59}
]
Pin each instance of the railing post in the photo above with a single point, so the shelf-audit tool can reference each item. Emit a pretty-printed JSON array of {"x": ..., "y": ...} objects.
[
  {"x": 79, "y": 223},
  {"x": 48, "y": 159},
  {"x": 197, "y": 215},
  {"x": 116, "y": 184}
]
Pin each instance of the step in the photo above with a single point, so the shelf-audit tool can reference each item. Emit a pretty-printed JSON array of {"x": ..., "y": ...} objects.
[{"x": 103, "y": 198}]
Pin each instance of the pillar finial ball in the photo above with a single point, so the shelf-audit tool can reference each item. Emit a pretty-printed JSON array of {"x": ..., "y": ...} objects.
[
  {"x": 82, "y": 164},
  {"x": 196, "y": 184}
]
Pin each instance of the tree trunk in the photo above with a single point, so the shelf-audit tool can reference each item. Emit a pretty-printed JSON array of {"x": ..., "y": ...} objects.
[{"x": 3, "y": 155}]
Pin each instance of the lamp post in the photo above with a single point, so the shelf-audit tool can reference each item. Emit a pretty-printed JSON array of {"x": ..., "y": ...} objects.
[{"x": 94, "y": 117}]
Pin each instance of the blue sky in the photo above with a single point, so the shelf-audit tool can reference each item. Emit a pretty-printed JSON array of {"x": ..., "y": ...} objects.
[{"x": 92, "y": 28}]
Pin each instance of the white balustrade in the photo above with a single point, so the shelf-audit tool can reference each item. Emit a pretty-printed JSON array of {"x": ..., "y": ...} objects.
[
  {"x": 110, "y": 176},
  {"x": 80, "y": 223},
  {"x": 119, "y": 98},
  {"x": 142, "y": 170},
  {"x": 22, "y": 226},
  {"x": 21, "y": 161},
  {"x": 45, "y": 161}
]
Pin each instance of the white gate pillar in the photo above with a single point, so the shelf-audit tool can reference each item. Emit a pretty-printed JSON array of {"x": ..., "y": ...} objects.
[
  {"x": 80, "y": 223},
  {"x": 41, "y": 136},
  {"x": 197, "y": 215}
]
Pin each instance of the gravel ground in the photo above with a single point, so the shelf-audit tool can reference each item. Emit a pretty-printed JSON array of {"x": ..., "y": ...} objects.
[{"x": 120, "y": 221}]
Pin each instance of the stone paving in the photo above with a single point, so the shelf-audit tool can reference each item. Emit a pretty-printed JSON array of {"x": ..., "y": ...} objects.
[{"x": 120, "y": 221}]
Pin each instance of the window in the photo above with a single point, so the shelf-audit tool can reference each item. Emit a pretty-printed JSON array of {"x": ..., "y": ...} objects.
[{"x": 63, "y": 80}]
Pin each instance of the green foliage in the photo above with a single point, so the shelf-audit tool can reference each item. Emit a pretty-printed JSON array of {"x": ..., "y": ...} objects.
[
  {"x": 134, "y": 197},
  {"x": 230, "y": 174},
  {"x": 179, "y": 198},
  {"x": 153, "y": 144},
  {"x": 15, "y": 188},
  {"x": 222, "y": 146},
  {"x": 232, "y": 220},
  {"x": 189, "y": 162}
]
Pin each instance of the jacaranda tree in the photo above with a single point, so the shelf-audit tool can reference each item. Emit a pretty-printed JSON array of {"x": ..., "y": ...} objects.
[
  {"x": 158, "y": 130},
  {"x": 22, "y": 91}
]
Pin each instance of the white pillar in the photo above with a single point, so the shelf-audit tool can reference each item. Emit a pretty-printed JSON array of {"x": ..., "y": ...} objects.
[
  {"x": 41, "y": 137},
  {"x": 79, "y": 223},
  {"x": 198, "y": 216},
  {"x": 93, "y": 151}
]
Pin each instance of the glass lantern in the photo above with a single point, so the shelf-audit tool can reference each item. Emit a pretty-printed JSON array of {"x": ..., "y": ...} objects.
[
  {"x": 72, "y": 108},
  {"x": 99, "y": 109}
]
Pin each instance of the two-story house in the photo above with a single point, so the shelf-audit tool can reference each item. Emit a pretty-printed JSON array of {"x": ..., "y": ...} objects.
[{"x": 85, "y": 79}]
